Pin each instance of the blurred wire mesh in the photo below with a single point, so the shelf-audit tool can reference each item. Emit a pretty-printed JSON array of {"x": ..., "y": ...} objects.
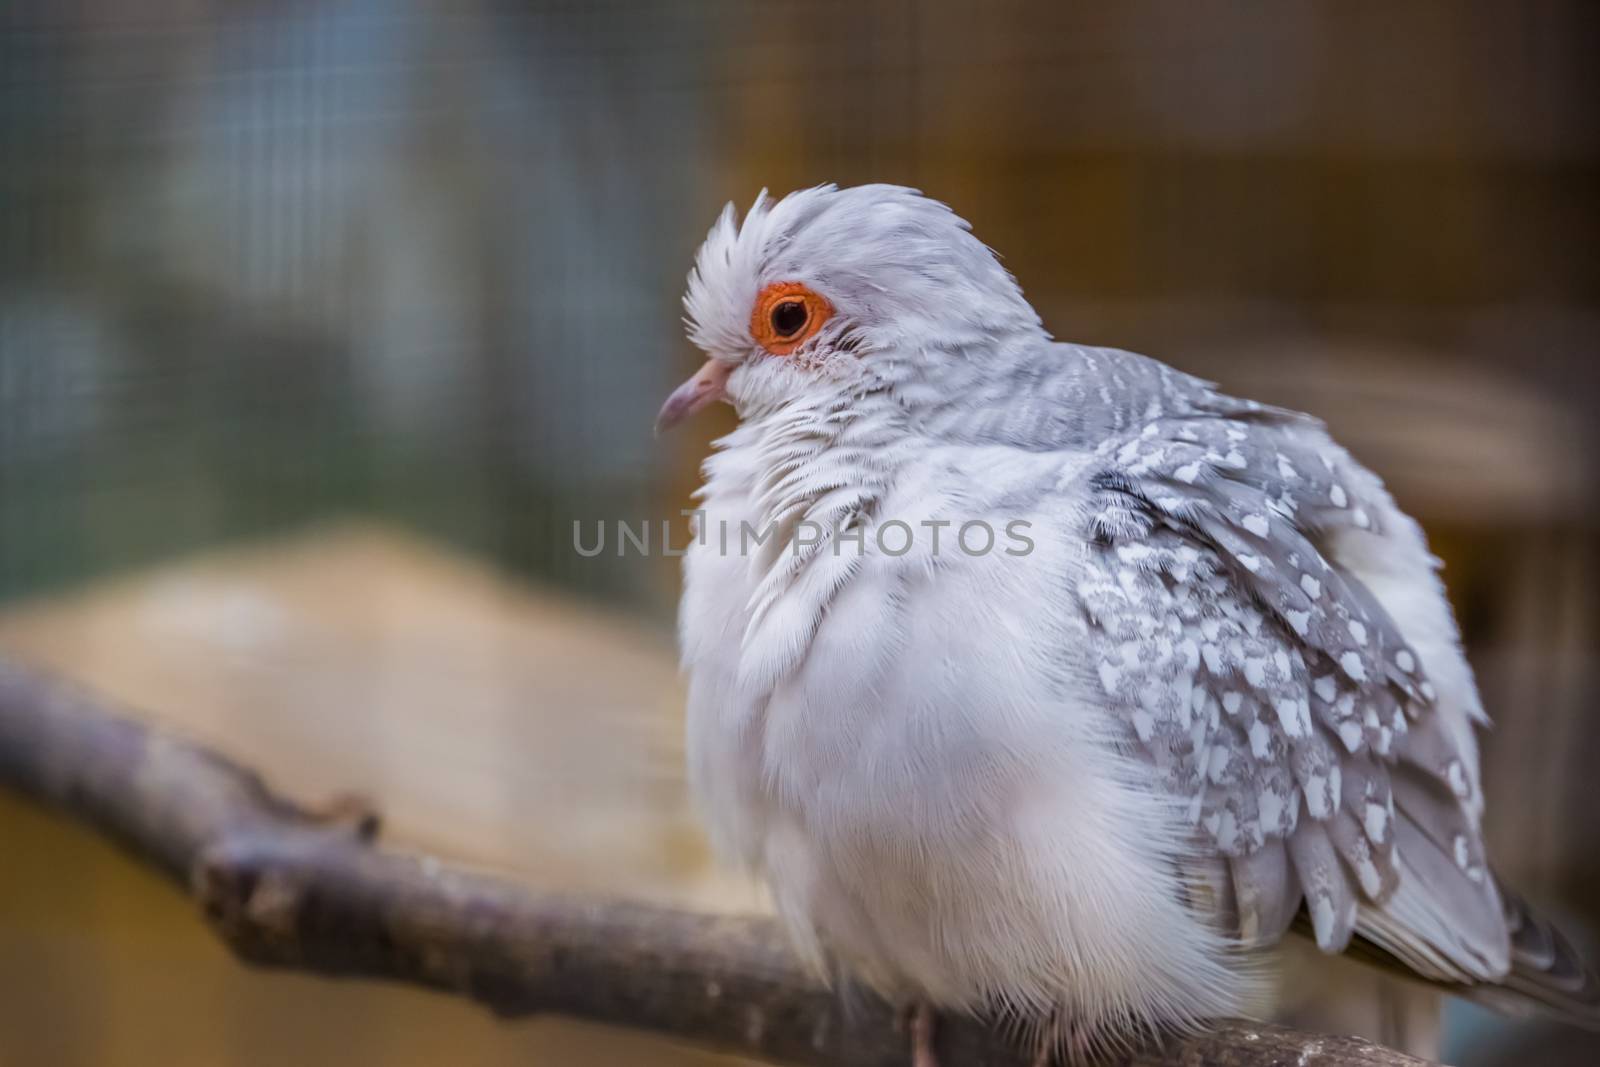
[
  {"x": 267, "y": 263},
  {"x": 266, "y": 260}
]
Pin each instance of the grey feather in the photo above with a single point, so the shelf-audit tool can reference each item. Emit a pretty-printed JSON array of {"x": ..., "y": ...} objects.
[
  {"x": 1546, "y": 968},
  {"x": 1266, "y": 891},
  {"x": 1438, "y": 902},
  {"x": 1330, "y": 898},
  {"x": 1547, "y": 977}
]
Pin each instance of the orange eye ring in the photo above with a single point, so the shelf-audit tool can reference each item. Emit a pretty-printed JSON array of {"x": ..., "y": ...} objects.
[{"x": 787, "y": 315}]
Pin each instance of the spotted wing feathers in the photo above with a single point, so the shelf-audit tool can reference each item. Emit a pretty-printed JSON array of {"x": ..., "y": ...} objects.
[{"x": 1273, "y": 694}]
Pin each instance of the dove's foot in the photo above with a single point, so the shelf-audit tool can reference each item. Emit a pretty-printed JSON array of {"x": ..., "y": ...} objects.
[
  {"x": 921, "y": 1018},
  {"x": 351, "y": 813},
  {"x": 1062, "y": 1042}
]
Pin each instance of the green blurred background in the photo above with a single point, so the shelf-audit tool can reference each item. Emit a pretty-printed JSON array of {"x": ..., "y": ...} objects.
[{"x": 271, "y": 268}]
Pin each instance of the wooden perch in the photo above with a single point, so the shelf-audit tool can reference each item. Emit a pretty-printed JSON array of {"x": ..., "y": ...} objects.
[{"x": 286, "y": 888}]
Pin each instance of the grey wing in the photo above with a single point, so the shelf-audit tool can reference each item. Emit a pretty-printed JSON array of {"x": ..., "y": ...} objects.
[{"x": 1277, "y": 698}]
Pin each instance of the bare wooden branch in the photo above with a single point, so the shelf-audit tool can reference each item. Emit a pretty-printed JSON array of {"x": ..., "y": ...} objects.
[{"x": 286, "y": 888}]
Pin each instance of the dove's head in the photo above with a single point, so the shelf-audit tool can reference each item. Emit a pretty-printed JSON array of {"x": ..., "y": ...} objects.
[{"x": 839, "y": 290}]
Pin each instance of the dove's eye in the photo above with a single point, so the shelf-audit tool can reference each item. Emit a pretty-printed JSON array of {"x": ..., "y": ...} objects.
[
  {"x": 788, "y": 318},
  {"x": 787, "y": 315}
]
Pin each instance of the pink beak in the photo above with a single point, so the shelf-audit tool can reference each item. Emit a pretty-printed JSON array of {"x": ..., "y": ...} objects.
[{"x": 709, "y": 383}]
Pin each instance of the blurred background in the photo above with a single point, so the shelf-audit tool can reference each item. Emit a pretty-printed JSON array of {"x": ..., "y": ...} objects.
[{"x": 322, "y": 323}]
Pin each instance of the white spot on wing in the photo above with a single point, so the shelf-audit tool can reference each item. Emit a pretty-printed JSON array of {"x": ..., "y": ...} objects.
[
  {"x": 1371, "y": 880},
  {"x": 1110, "y": 678},
  {"x": 1270, "y": 806},
  {"x": 1377, "y": 822},
  {"x": 1260, "y": 740},
  {"x": 1291, "y": 719},
  {"x": 1227, "y": 831},
  {"x": 1322, "y": 921}
]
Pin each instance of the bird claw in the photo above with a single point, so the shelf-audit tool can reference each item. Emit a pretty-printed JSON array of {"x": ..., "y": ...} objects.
[
  {"x": 351, "y": 813},
  {"x": 920, "y": 1019},
  {"x": 1063, "y": 1042}
]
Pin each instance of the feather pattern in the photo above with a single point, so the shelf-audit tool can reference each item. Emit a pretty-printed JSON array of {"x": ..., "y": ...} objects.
[{"x": 1213, "y": 584}]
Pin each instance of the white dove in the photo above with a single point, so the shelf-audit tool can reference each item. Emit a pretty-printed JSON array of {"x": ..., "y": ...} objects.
[{"x": 1047, "y": 681}]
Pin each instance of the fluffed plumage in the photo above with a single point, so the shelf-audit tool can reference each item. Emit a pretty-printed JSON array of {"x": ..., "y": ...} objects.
[{"x": 1219, "y": 689}]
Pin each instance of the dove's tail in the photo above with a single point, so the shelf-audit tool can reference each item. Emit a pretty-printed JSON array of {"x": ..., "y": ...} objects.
[
  {"x": 1547, "y": 977},
  {"x": 1547, "y": 974}
]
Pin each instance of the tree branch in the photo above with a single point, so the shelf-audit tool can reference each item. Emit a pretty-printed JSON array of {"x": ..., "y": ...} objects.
[{"x": 285, "y": 888}]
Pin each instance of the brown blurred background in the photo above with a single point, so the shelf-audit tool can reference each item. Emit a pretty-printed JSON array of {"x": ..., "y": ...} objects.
[{"x": 322, "y": 323}]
